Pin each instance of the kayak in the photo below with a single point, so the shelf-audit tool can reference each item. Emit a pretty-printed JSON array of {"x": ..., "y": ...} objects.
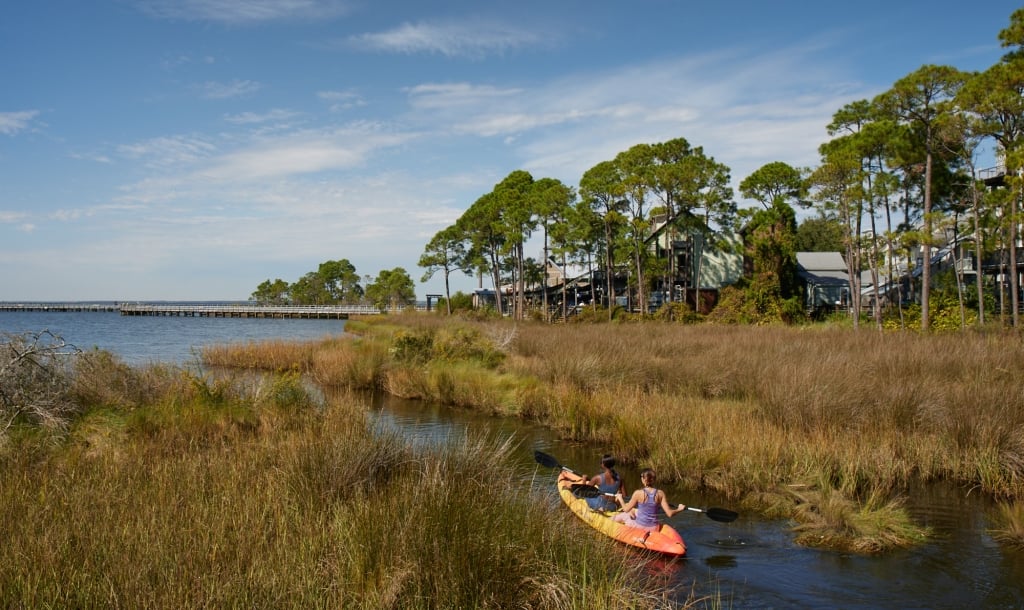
[{"x": 665, "y": 540}]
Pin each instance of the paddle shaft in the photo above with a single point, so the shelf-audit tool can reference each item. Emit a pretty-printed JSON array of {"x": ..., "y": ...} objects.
[
  {"x": 722, "y": 515},
  {"x": 546, "y": 460}
]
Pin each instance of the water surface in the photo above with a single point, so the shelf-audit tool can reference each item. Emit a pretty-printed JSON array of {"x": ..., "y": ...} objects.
[
  {"x": 169, "y": 339},
  {"x": 754, "y": 563}
]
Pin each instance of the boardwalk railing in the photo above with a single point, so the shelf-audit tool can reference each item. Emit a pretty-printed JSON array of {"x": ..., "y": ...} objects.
[
  {"x": 339, "y": 312},
  {"x": 99, "y": 307},
  {"x": 328, "y": 312}
]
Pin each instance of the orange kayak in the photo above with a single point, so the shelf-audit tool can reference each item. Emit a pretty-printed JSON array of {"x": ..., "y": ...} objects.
[{"x": 665, "y": 540}]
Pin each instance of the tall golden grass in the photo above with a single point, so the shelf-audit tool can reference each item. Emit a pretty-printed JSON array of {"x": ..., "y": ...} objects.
[
  {"x": 849, "y": 418},
  {"x": 176, "y": 489}
]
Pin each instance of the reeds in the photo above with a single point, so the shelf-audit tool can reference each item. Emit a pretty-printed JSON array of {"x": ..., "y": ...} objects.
[
  {"x": 1009, "y": 521},
  {"x": 248, "y": 491},
  {"x": 753, "y": 411},
  {"x": 746, "y": 411}
]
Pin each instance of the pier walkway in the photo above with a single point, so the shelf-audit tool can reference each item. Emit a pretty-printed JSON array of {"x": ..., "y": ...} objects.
[{"x": 316, "y": 312}]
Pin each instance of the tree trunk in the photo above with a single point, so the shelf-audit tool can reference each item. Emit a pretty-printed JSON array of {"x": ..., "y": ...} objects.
[
  {"x": 447, "y": 291},
  {"x": 1014, "y": 277},
  {"x": 926, "y": 244},
  {"x": 978, "y": 279}
]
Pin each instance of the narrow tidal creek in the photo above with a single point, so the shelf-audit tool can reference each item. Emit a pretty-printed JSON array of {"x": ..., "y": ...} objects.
[{"x": 753, "y": 563}]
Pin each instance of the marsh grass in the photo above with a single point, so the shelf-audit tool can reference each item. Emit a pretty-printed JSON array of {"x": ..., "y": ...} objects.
[
  {"x": 754, "y": 410},
  {"x": 270, "y": 355},
  {"x": 745, "y": 411},
  {"x": 248, "y": 491},
  {"x": 1009, "y": 520}
]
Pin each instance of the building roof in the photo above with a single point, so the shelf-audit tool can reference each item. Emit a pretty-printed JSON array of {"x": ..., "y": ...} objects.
[
  {"x": 822, "y": 268},
  {"x": 821, "y": 261}
]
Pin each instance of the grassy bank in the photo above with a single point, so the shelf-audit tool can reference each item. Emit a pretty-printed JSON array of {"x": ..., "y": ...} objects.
[
  {"x": 825, "y": 426},
  {"x": 168, "y": 489}
]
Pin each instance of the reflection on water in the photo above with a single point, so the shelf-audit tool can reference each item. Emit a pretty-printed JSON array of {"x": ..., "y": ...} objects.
[
  {"x": 721, "y": 562},
  {"x": 423, "y": 423},
  {"x": 751, "y": 563}
]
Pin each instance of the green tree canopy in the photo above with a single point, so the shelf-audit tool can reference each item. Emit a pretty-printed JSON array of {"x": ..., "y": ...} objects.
[
  {"x": 393, "y": 289},
  {"x": 445, "y": 252},
  {"x": 819, "y": 234},
  {"x": 271, "y": 292}
]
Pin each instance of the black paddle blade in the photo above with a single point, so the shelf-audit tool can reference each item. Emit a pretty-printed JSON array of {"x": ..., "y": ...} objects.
[
  {"x": 582, "y": 490},
  {"x": 545, "y": 460},
  {"x": 721, "y": 514}
]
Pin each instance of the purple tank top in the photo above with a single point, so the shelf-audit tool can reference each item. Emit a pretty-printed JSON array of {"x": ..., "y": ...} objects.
[{"x": 647, "y": 511}]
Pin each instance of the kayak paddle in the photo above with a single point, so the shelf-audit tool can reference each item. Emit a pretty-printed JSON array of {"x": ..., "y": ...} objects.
[
  {"x": 724, "y": 515},
  {"x": 549, "y": 461},
  {"x": 716, "y": 514}
]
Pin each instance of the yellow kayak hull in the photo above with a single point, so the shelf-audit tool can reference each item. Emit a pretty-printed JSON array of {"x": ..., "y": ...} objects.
[{"x": 665, "y": 540}]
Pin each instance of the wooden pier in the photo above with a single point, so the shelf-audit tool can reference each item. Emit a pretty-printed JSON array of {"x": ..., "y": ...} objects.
[
  {"x": 310, "y": 312},
  {"x": 63, "y": 307}
]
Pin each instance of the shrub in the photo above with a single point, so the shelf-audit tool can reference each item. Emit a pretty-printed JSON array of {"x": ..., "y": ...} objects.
[
  {"x": 34, "y": 380},
  {"x": 412, "y": 346},
  {"x": 678, "y": 312}
]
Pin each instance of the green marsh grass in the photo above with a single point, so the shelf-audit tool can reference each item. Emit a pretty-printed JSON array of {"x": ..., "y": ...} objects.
[
  {"x": 1009, "y": 528},
  {"x": 249, "y": 491},
  {"x": 752, "y": 411}
]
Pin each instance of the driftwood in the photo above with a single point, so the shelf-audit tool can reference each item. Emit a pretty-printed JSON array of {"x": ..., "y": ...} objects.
[{"x": 34, "y": 380}]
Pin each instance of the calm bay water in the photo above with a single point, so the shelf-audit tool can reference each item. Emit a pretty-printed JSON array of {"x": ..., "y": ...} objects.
[{"x": 169, "y": 339}]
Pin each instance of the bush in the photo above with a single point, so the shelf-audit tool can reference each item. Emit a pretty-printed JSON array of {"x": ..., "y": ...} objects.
[
  {"x": 462, "y": 343},
  {"x": 34, "y": 380},
  {"x": 678, "y": 312},
  {"x": 415, "y": 346}
]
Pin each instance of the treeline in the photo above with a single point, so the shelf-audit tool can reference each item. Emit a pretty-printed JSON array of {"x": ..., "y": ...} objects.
[
  {"x": 338, "y": 283},
  {"x": 899, "y": 177}
]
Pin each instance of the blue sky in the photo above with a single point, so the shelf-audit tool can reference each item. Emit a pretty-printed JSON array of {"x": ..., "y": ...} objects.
[{"x": 190, "y": 149}]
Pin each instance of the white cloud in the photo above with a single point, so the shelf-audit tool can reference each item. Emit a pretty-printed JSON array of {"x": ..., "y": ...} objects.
[
  {"x": 11, "y": 217},
  {"x": 301, "y": 153},
  {"x": 441, "y": 95},
  {"x": 191, "y": 165},
  {"x": 341, "y": 100},
  {"x": 91, "y": 156},
  {"x": 214, "y": 90},
  {"x": 243, "y": 12},
  {"x": 246, "y": 118},
  {"x": 744, "y": 108},
  {"x": 169, "y": 151},
  {"x": 472, "y": 39},
  {"x": 13, "y": 122}
]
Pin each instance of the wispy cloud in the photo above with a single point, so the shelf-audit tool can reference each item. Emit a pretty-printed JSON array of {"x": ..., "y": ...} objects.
[
  {"x": 191, "y": 164},
  {"x": 169, "y": 151},
  {"x": 243, "y": 12},
  {"x": 91, "y": 156},
  {"x": 302, "y": 153},
  {"x": 11, "y": 217},
  {"x": 341, "y": 100},
  {"x": 13, "y": 122},
  {"x": 745, "y": 108},
  {"x": 441, "y": 95},
  {"x": 250, "y": 118},
  {"x": 214, "y": 90},
  {"x": 473, "y": 39},
  {"x": 173, "y": 62}
]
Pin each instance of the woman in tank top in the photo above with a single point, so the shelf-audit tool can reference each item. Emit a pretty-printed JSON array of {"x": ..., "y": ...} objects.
[
  {"x": 646, "y": 502},
  {"x": 608, "y": 482}
]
